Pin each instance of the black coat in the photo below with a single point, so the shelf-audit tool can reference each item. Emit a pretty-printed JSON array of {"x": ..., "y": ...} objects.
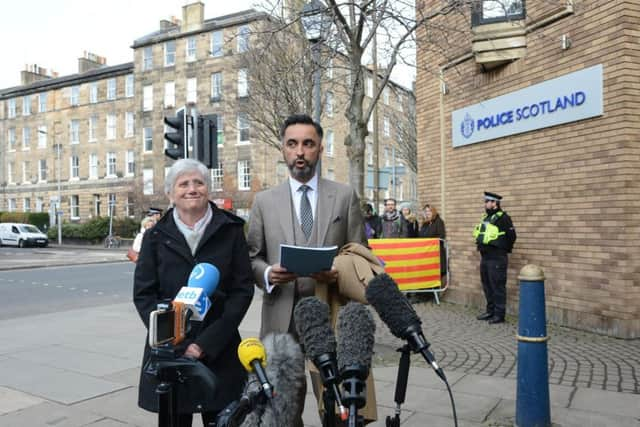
[{"x": 163, "y": 267}]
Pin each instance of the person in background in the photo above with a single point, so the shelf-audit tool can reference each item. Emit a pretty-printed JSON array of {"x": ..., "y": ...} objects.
[
  {"x": 372, "y": 222},
  {"x": 393, "y": 223},
  {"x": 196, "y": 231},
  {"x": 146, "y": 223},
  {"x": 412, "y": 221},
  {"x": 494, "y": 236},
  {"x": 433, "y": 227},
  {"x": 155, "y": 213}
]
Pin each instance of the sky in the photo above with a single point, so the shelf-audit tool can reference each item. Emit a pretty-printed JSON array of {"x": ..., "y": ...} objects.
[{"x": 54, "y": 33}]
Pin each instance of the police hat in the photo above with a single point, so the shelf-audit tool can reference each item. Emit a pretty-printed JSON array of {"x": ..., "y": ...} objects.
[
  {"x": 154, "y": 211},
  {"x": 492, "y": 196}
]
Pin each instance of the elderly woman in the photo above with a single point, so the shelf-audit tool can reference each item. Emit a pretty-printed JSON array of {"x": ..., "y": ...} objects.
[
  {"x": 196, "y": 231},
  {"x": 434, "y": 227}
]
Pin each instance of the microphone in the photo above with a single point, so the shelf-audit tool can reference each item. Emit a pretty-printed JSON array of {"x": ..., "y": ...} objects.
[
  {"x": 254, "y": 359},
  {"x": 286, "y": 370},
  {"x": 398, "y": 314},
  {"x": 356, "y": 336},
  {"x": 311, "y": 317},
  {"x": 202, "y": 282}
]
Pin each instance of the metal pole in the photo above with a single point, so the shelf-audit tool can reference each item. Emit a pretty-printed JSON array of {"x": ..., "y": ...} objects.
[
  {"x": 317, "y": 99},
  {"x": 59, "y": 210},
  {"x": 376, "y": 141}
]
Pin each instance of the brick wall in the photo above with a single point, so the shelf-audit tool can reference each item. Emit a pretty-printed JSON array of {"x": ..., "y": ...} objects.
[{"x": 572, "y": 189}]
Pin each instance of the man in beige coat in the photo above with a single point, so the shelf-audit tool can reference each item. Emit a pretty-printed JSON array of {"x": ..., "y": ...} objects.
[{"x": 280, "y": 215}]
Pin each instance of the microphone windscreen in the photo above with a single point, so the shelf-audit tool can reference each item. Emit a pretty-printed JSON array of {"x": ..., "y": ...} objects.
[
  {"x": 356, "y": 336},
  {"x": 392, "y": 306},
  {"x": 249, "y": 350},
  {"x": 286, "y": 373},
  {"x": 311, "y": 317},
  {"x": 205, "y": 276}
]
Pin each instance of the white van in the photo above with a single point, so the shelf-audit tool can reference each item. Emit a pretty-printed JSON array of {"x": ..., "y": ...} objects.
[{"x": 21, "y": 235}]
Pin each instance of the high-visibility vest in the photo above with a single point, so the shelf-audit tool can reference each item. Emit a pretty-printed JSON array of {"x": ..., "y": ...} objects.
[{"x": 486, "y": 231}]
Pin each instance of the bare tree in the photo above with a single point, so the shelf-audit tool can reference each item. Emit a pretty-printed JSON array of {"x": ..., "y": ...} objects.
[{"x": 406, "y": 136}]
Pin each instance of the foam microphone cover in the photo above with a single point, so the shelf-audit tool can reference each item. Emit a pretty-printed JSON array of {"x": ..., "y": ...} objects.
[
  {"x": 205, "y": 276},
  {"x": 356, "y": 336},
  {"x": 392, "y": 306},
  {"x": 311, "y": 317}
]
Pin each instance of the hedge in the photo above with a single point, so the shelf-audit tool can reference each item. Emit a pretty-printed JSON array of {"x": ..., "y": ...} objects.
[
  {"x": 39, "y": 219},
  {"x": 96, "y": 229}
]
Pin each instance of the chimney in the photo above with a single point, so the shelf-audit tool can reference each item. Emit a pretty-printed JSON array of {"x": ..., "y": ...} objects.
[
  {"x": 192, "y": 16},
  {"x": 166, "y": 24},
  {"x": 90, "y": 61},
  {"x": 33, "y": 73}
]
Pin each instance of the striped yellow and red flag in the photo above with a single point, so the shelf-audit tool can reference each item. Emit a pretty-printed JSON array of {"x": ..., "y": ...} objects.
[{"x": 413, "y": 263}]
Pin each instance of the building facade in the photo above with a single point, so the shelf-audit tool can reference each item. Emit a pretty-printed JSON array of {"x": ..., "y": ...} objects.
[
  {"x": 96, "y": 137},
  {"x": 540, "y": 103}
]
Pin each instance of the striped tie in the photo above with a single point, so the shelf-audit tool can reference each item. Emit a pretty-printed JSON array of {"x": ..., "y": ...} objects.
[{"x": 306, "y": 214}]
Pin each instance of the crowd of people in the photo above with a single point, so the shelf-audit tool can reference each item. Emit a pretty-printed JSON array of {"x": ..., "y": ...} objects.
[{"x": 305, "y": 210}]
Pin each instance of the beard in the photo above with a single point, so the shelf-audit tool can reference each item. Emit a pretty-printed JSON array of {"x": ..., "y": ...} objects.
[{"x": 304, "y": 174}]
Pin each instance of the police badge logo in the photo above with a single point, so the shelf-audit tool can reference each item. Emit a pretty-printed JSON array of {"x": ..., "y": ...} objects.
[{"x": 466, "y": 127}]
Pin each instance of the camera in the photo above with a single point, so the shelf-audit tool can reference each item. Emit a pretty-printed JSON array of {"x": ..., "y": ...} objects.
[{"x": 168, "y": 324}]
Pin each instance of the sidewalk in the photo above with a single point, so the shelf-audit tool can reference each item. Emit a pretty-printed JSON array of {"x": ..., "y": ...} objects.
[{"x": 81, "y": 367}]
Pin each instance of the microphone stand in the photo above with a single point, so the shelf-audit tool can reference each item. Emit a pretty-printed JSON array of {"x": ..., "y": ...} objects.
[
  {"x": 326, "y": 365},
  {"x": 354, "y": 395},
  {"x": 401, "y": 385},
  {"x": 167, "y": 399}
]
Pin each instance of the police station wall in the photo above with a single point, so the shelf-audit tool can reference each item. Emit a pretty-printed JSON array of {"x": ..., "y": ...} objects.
[{"x": 571, "y": 189}]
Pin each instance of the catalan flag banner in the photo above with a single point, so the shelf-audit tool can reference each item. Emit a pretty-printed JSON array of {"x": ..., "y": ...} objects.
[{"x": 413, "y": 263}]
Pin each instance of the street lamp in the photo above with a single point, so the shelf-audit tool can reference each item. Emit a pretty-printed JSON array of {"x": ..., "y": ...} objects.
[
  {"x": 316, "y": 24},
  {"x": 58, "y": 148}
]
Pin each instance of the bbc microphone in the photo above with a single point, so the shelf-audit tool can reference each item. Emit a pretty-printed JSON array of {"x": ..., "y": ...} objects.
[
  {"x": 356, "y": 336},
  {"x": 202, "y": 283},
  {"x": 311, "y": 317},
  {"x": 398, "y": 314},
  {"x": 254, "y": 359}
]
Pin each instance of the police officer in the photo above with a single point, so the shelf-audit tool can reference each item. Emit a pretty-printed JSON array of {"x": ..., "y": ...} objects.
[{"x": 495, "y": 236}]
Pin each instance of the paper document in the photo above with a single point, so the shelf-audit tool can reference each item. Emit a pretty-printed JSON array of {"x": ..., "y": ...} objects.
[{"x": 305, "y": 261}]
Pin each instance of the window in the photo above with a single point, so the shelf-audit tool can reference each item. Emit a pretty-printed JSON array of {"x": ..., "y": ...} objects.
[
  {"x": 131, "y": 163},
  {"x": 42, "y": 170},
  {"x": 93, "y": 166},
  {"x": 26, "y": 138},
  {"x": 111, "y": 165},
  {"x": 112, "y": 204},
  {"x": 328, "y": 142},
  {"x": 490, "y": 11},
  {"x": 369, "y": 153},
  {"x": 74, "y": 206},
  {"x": 11, "y": 139},
  {"x": 128, "y": 206},
  {"x": 387, "y": 157},
  {"x": 147, "y": 58},
  {"x": 129, "y": 124},
  {"x": 42, "y": 102},
  {"x": 111, "y": 89},
  {"x": 217, "y": 44},
  {"x": 74, "y": 166},
  {"x": 42, "y": 136},
  {"x": 370, "y": 124},
  {"x": 147, "y": 98},
  {"x": 243, "y": 38},
  {"x": 191, "y": 49},
  {"x": 96, "y": 204},
  {"x": 93, "y": 125},
  {"x": 369, "y": 87},
  {"x": 74, "y": 132},
  {"x": 74, "y": 99},
  {"x": 10, "y": 173},
  {"x": 331, "y": 174},
  {"x": 192, "y": 90},
  {"x": 147, "y": 135},
  {"x": 220, "y": 129},
  {"x": 169, "y": 94},
  {"x": 216, "y": 86},
  {"x": 328, "y": 108},
  {"x": 170, "y": 53},
  {"x": 12, "y": 108},
  {"x": 147, "y": 182},
  {"x": 111, "y": 126},
  {"x": 400, "y": 102},
  {"x": 385, "y": 96},
  {"x": 217, "y": 178},
  {"x": 128, "y": 86},
  {"x": 386, "y": 126},
  {"x": 26, "y": 172},
  {"x": 93, "y": 92},
  {"x": 329, "y": 69},
  {"x": 39, "y": 204},
  {"x": 11, "y": 205},
  {"x": 26, "y": 105},
  {"x": 244, "y": 175},
  {"x": 243, "y": 83},
  {"x": 243, "y": 128}
]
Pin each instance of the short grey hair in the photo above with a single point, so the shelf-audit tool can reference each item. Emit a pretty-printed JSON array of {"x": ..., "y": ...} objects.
[{"x": 181, "y": 167}]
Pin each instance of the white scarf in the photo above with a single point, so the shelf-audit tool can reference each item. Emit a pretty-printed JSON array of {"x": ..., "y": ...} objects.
[{"x": 193, "y": 234}]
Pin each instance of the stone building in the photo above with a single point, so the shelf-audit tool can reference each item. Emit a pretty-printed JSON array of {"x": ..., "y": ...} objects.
[
  {"x": 540, "y": 103},
  {"x": 101, "y": 130}
]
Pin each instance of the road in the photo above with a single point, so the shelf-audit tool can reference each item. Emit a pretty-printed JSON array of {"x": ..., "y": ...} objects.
[{"x": 52, "y": 289}]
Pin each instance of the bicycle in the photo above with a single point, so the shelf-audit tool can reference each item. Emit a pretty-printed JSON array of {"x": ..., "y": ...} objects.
[{"x": 112, "y": 242}]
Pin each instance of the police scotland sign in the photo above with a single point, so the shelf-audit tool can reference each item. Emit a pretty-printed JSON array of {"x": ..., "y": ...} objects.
[{"x": 574, "y": 96}]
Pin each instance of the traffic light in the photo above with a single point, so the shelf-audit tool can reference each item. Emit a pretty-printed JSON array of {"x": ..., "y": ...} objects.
[
  {"x": 206, "y": 149},
  {"x": 178, "y": 135}
]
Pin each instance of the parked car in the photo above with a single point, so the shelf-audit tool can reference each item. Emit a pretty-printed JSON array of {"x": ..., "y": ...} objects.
[{"x": 21, "y": 235}]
